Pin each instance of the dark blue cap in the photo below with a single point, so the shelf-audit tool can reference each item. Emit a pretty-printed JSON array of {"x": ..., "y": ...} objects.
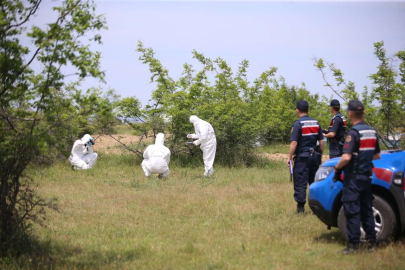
[
  {"x": 355, "y": 106},
  {"x": 335, "y": 103},
  {"x": 302, "y": 105}
]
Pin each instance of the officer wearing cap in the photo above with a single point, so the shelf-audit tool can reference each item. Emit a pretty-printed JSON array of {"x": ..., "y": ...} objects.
[
  {"x": 305, "y": 134},
  {"x": 336, "y": 131},
  {"x": 360, "y": 148}
]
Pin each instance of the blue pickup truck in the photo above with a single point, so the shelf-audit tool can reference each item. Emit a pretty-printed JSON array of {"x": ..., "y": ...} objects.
[{"x": 388, "y": 189}]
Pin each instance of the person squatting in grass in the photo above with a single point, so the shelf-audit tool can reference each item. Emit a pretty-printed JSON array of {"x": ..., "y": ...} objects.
[
  {"x": 156, "y": 158},
  {"x": 82, "y": 156},
  {"x": 336, "y": 131},
  {"x": 205, "y": 137},
  {"x": 360, "y": 149},
  {"x": 305, "y": 134}
]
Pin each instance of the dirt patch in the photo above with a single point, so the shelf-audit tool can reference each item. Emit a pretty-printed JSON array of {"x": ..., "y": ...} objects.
[
  {"x": 276, "y": 156},
  {"x": 283, "y": 157},
  {"x": 107, "y": 144}
]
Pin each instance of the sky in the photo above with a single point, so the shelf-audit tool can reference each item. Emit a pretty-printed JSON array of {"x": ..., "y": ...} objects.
[{"x": 284, "y": 34}]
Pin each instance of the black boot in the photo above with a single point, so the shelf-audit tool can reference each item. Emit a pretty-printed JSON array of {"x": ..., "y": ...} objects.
[
  {"x": 160, "y": 176},
  {"x": 351, "y": 248},
  {"x": 370, "y": 245},
  {"x": 300, "y": 208}
]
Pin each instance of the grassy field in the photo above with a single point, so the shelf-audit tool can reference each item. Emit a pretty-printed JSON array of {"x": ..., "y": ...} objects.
[{"x": 111, "y": 217}]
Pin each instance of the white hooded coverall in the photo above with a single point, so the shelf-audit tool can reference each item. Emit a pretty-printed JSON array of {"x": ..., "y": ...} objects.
[
  {"x": 83, "y": 156},
  {"x": 205, "y": 135},
  {"x": 156, "y": 158}
]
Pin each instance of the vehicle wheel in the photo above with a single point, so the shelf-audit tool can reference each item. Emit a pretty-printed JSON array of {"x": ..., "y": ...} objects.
[{"x": 385, "y": 221}]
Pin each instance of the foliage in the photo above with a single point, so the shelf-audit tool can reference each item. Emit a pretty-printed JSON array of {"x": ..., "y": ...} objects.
[
  {"x": 39, "y": 111},
  {"x": 240, "y": 112},
  {"x": 385, "y": 102}
]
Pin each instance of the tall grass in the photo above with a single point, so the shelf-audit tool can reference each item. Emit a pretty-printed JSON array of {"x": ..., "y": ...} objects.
[{"x": 112, "y": 217}]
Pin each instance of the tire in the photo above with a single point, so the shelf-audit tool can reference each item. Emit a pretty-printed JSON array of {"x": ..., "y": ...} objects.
[{"x": 385, "y": 219}]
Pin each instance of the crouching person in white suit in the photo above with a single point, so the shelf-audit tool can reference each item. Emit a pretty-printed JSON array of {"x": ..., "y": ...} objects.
[
  {"x": 205, "y": 137},
  {"x": 83, "y": 156},
  {"x": 156, "y": 158}
]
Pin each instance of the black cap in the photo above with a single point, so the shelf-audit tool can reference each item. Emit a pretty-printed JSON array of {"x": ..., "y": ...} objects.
[
  {"x": 335, "y": 103},
  {"x": 355, "y": 106},
  {"x": 302, "y": 105}
]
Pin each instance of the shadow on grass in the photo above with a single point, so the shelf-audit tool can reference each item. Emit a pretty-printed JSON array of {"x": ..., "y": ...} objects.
[
  {"x": 51, "y": 255},
  {"x": 333, "y": 237}
]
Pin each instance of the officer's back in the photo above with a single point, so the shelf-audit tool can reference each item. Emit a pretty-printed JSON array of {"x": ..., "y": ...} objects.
[
  {"x": 336, "y": 131},
  {"x": 360, "y": 148},
  {"x": 306, "y": 133}
]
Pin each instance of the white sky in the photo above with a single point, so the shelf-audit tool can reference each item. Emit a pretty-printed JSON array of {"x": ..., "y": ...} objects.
[{"x": 267, "y": 33}]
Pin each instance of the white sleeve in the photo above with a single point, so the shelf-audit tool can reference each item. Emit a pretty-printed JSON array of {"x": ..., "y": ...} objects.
[
  {"x": 77, "y": 147},
  {"x": 146, "y": 153},
  {"x": 167, "y": 156},
  {"x": 203, "y": 132},
  {"x": 90, "y": 149},
  {"x": 73, "y": 148}
]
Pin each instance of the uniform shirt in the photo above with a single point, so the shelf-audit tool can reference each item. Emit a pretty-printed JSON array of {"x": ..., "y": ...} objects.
[
  {"x": 362, "y": 144},
  {"x": 306, "y": 131},
  {"x": 337, "y": 125}
]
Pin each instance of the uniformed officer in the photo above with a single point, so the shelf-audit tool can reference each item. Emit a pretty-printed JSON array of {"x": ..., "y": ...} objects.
[
  {"x": 336, "y": 131},
  {"x": 360, "y": 148},
  {"x": 305, "y": 134}
]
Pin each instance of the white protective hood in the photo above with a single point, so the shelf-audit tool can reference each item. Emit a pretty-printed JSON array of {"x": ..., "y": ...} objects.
[
  {"x": 86, "y": 138},
  {"x": 160, "y": 139},
  {"x": 194, "y": 119}
]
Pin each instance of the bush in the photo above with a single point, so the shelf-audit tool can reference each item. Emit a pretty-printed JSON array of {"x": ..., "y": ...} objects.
[{"x": 240, "y": 112}]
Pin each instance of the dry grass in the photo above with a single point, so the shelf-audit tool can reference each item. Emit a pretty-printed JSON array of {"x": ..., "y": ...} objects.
[{"x": 113, "y": 218}]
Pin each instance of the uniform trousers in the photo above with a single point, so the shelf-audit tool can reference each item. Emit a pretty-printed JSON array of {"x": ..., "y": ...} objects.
[
  {"x": 304, "y": 174},
  {"x": 357, "y": 202}
]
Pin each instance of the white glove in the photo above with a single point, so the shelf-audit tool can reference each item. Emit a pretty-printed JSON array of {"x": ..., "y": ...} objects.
[
  {"x": 189, "y": 136},
  {"x": 196, "y": 143}
]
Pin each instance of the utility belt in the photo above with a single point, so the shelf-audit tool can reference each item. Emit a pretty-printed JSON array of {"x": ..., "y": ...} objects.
[{"x": 310, "y": 152}]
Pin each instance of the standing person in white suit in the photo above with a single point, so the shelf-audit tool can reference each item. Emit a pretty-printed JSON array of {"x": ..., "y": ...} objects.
[
  {"x": 156, "y": 158},
  {"x": 83, "y": 156},
  {"x": 205, "y": 137}
]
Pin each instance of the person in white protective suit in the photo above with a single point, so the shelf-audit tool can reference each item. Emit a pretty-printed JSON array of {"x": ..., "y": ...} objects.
[
  {"x": 83, "y": 156},
  {"x": 156, "y": 158},
  {"x": 205, "y": 137}
]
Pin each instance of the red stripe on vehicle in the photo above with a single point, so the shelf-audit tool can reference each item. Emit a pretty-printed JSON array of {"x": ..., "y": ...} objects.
[{"x": 383, "y": 174}]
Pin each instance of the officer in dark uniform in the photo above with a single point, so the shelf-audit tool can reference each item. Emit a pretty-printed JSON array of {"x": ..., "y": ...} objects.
[
  {"x": 305, "y": 134},
  {"x": 336, "y": 131},
  {"x": 360, "y": 148}
]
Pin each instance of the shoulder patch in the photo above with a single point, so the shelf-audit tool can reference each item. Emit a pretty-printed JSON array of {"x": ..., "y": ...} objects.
[{"x": 348, "y": 138}]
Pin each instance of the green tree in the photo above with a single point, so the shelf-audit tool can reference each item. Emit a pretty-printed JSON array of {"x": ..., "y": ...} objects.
[
  {"x": 386, "y": 91},
  {"x": 240, "y": 112},
  {"x": 384, "y": 103},
  {"x": 38, "y": 111}
]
